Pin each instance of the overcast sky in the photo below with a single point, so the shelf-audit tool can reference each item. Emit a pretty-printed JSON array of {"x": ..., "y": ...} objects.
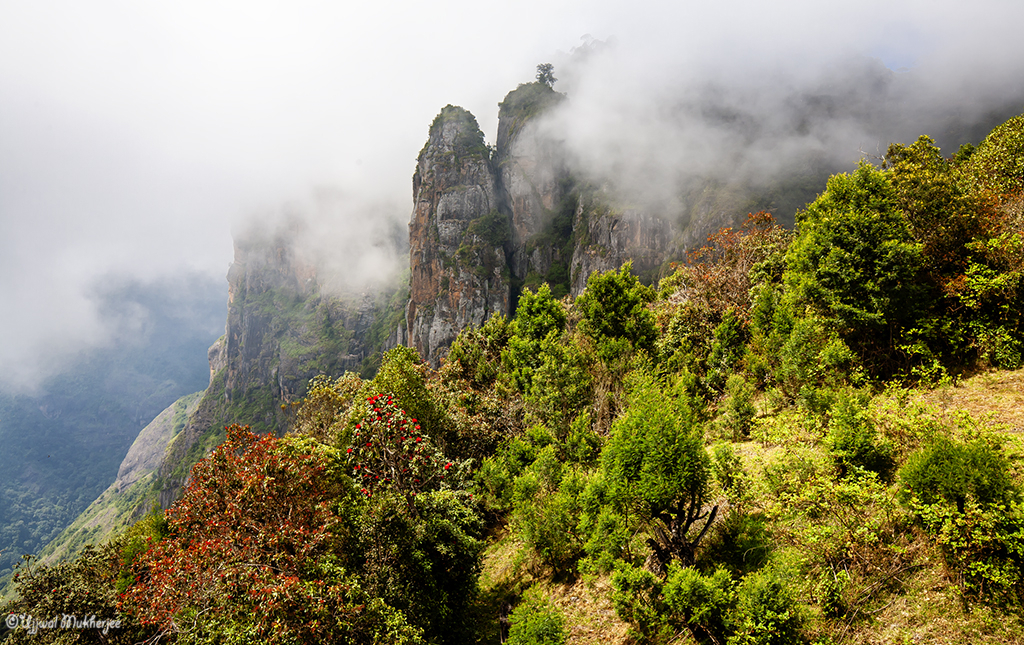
[{"x": 134, "y": 135}]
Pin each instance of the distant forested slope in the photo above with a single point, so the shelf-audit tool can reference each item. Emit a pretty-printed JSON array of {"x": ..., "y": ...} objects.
[{"x": 62, "y": 446}]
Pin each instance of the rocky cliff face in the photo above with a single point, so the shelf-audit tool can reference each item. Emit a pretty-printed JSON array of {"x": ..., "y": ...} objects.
[
  {"x": 534, "y": 180},
  {"x": 282, "y": 329},
  {"x": 607, "y": 238},
  {"x": 485, "y": 226},
  {"x": 459, "y": 274}
]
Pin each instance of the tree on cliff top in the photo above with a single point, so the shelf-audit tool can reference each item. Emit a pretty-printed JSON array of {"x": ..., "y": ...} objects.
[{"x": 546, "y": 74}]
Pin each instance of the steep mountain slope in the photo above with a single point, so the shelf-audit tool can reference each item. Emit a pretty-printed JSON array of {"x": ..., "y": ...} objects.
[
  {"x": 131, "y": 494},
  {"x": 282, "y": 329},
  {"x": 486, "y": 224}
]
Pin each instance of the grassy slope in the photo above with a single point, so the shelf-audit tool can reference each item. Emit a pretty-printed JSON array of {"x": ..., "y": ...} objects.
[{"x": 919, "y": 605}]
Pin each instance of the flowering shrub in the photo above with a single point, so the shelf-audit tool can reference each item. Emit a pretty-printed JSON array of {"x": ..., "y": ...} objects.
[
  {"x": 254, "y": 551},
  {"x": 390, "y": 450}
]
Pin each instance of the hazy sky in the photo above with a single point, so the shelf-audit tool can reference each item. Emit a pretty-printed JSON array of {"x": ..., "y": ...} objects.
[{"x": 134, "y": 135}]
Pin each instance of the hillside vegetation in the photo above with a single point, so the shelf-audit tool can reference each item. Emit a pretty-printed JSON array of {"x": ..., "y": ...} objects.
[{"x": 796, "y": 437}]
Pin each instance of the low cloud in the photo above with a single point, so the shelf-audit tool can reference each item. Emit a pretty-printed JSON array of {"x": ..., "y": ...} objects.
[{"x": 134, "y": 136}]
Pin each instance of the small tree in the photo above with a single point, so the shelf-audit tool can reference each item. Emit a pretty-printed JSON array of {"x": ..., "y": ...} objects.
[
  {"x": 538, "y": 316},
  {"x": 656, "y": 469},
  {"x": 545, "y": 74},
  {"x": 614, "y": 305},
  {"x": 855, "y": 263}
]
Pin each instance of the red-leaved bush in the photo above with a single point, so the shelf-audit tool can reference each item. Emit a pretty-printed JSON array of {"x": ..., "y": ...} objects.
[{"x": 255, "y": 550}]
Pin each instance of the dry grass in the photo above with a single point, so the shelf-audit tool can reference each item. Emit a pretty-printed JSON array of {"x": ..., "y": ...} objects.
[
  {"x": 589, "y": 614},
  {"x": 586, "y": 605},
  {"x": 930, "y": 613},
  {"x": 996, "y": 395}
]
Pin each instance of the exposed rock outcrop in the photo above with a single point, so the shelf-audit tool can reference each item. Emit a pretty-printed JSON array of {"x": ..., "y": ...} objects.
[
  {"x": 485, "y": 226},
  {"x": 608, "y": 238},
  {"x": 534, "y": 179},
  {"x": 459, "y": 275}
]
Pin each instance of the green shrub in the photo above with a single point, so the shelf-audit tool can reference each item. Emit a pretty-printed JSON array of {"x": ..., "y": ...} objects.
[
  {"x": 614, "y": 305},
  {"x": 498, "y": 472},
  {"x": 999, "y": 347},
  {"x": 561, "y": 385},
  {"x": 738, "y": 411},
  {"x": 703, "y": 603},
  {"x": 637, "y": 600},
  {"x": 582, "y": 445},
  {"x": 727, "y": 468},
  {"x": 546, "y": 511},
  {"x": 952, "y": 472},
  {"x": 475, "y": 356},
  {"x": 855, "y": 262},
  {"x": 536, "y": 621},
  {"x": 538, "y": 316},
  {"x": 965, "y": 498},
  {"x": 766, "y": 612},
  {"x": 403, "y": 375},
  {"x": 854, "y": 441},
  {"x": 740, "y": 542},
  {"x": 425, "y": 565},
  {"x": 727, "y": 348},
  {"x": 982, "y": 547}
]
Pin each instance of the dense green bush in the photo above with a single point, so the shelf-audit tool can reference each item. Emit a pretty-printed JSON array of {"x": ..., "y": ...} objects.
[
  {"x": 965, "y": 497},
  {"x": 425, "y": 564},
  {"x": 561, "y": 386},
  {"x": 475, "y": 356},
  {"x": 536, "y": 622},
  {"x": 766, "y": 611},
  {"x": 954, "y": 472},
  {"x": 702, "y": 602},
  {"x": 854, "y": 261},
  {"x": 758, "y": 610},
  {"x": 614, "y": 305},
  {"x": 737, "y": 409},
  {"x": 84, "y": 587},
  {"x": 982, "y": 547},
  {"x": 637, "y": 599},
  {"x": 403, "y": 375},
  {"x": 538, "y": 317},
  {"x": 727, "y": 349}
]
